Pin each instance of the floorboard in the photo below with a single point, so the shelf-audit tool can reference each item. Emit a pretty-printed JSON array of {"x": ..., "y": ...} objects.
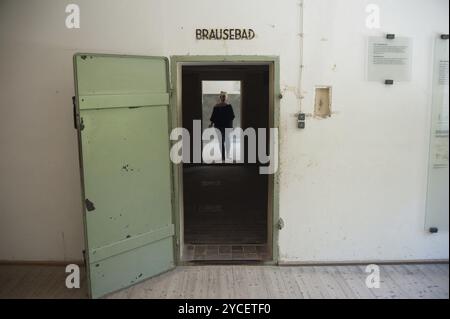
[{"x": 421, "y": 281}]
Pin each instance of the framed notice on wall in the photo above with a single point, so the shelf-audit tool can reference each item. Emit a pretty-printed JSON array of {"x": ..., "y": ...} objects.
[
  {"x": 437, "y": 217},
  {"x": 389, "y": 59}
]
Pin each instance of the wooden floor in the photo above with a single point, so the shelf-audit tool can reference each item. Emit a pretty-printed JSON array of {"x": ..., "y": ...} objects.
[{"x": 397, "y": 281}]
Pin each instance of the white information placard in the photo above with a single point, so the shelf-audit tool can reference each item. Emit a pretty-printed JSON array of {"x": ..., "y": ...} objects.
[
  {"x": 389, "y": 59},
  {"x": 437, "y": 216}
]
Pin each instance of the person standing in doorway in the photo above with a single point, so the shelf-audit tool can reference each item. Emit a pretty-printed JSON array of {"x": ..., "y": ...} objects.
[{"x": 222, "y": 118}]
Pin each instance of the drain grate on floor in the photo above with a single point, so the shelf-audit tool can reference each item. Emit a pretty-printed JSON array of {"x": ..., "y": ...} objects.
[{"x": 225, "y": 252}]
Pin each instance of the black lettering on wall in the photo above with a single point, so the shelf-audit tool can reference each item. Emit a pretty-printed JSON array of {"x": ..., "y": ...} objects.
[
  {"x": 232, "y": 34},
  {"x": 198, "y": 34},
  {"x": 237, "y": 33},
  {"x": 251, "y": 34},
  {"x": 224, "y": 34}
]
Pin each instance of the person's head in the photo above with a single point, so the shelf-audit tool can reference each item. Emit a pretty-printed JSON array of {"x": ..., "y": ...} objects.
[{"x": 223, "y": 96}]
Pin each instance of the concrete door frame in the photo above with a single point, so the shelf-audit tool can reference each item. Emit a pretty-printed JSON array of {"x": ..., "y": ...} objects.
[{"x": 176, "y": 63}]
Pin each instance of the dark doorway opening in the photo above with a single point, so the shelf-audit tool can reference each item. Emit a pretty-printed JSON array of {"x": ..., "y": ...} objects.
[{"x": 225, "y": 205}]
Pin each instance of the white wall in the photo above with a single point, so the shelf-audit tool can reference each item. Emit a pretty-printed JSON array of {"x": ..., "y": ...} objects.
[
  {"x": 352, "y": 187},
  {"x": 40, "y": 206}
]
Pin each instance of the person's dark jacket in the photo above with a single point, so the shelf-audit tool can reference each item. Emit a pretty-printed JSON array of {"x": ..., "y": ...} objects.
[{"x": 222, "y": 116}]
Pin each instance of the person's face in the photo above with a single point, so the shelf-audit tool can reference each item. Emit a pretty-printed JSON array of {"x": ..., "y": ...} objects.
[{"x": 223, "y": 98}]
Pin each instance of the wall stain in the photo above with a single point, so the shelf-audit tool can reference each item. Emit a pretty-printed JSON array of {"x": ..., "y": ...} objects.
[
  {"x": 127, "y": 168},
  {"x": 292, "y": 89}
]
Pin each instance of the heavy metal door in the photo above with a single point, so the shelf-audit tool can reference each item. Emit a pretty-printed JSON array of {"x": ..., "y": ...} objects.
[{"x": 123, "y": 129}]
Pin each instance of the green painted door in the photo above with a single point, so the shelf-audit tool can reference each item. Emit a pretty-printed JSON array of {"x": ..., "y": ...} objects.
[{"x": 122, "y": 106}]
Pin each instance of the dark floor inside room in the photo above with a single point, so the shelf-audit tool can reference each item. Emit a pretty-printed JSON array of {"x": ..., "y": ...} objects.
[{"x": 225, "y": 213}]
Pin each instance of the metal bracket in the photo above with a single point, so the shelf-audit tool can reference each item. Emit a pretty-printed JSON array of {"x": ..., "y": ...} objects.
[
  {"x": 74, "y": 105},
  {"x": 77, "y": 121},
  {"x": 301, "y": 117},
  {"x": 89, "y": 205},
  {"x": 434, "y": 230},
  {"x": 390, "y": 36},
  {"x": 84, "y": 258},
  {"x": 81, "y": 124},
  {"x": 280, "y": 223}
]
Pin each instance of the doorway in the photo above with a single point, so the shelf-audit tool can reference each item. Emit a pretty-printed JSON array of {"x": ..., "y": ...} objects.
[
  {"x": 133, "y": 192},
  {"x": 226, "y": 208}
]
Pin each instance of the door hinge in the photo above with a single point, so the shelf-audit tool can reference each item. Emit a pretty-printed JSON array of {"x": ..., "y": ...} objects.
[
  {"x": 84, "y": 258},
  {"x": 280, "y": 223},
  {"x": 75, "y": 115},
  {"x": 77, "y": 120}
]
